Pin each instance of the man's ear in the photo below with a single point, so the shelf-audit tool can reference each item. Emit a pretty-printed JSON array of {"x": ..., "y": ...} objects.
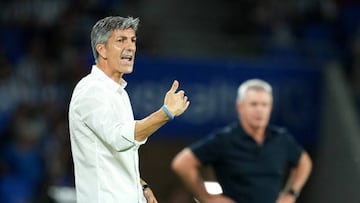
[
  {"x": 238, "y": 107},
  {"x": 101, "y": 49}
]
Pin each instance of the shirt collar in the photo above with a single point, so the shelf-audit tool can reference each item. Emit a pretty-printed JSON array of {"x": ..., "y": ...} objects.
[
  {"x": 268, "y": 131},
  {"x": 111, "y": 84}
]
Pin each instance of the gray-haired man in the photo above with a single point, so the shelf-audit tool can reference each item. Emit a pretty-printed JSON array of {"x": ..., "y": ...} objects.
[
  {"x": 249, "y": 157},
  {"x": 105, "y": 138}
]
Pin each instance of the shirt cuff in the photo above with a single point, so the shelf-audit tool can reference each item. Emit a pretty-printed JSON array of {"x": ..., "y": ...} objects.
[{"x": 129, "y": 132}]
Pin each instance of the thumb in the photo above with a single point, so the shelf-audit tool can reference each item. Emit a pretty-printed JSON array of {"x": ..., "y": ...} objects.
[{"x": 174, "y": 86}]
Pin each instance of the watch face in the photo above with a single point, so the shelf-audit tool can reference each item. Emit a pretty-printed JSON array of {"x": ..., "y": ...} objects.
[{"x": 293, "y": 193}]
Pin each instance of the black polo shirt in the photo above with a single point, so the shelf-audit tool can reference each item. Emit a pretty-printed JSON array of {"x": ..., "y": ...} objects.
[{"x": 246, "y": 171}]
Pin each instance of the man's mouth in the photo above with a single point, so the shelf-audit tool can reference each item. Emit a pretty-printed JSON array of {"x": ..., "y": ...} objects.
[{"x": 127, "y": 57}]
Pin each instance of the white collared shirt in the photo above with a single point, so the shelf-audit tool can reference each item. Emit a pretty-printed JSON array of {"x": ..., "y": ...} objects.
[{"x": 103, "y": 145}]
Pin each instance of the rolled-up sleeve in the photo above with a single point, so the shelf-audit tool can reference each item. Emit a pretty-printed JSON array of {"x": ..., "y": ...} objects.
[
  {"x": 111, "y": 126},
  {"x": 128, "y": 132}
]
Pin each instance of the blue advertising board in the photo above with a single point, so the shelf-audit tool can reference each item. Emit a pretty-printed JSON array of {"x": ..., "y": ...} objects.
[{"x": 211, "y": 87}]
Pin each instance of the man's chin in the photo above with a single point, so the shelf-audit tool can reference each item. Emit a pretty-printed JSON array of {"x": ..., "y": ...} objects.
[
  {"x": 258, "y": 126},
  {"x": 127, "y": 69}
]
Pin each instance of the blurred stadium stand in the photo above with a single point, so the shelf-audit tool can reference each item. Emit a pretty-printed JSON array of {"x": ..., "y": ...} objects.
[{"x": 210, "y": 47}]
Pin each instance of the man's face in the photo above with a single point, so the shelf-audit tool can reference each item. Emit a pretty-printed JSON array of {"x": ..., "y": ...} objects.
[
  {"x": 120, "y": 50},
  {"x": 255, "y": 109}
]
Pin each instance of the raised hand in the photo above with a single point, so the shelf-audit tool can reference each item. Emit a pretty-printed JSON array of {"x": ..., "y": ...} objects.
[{"x": 176, "y": 101}]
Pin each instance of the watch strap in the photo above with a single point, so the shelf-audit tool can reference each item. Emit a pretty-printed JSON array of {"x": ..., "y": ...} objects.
[{"x": 293, "y": 193}]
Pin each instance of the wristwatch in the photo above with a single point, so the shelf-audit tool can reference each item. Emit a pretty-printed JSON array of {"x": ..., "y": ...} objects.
[
  {"x": 293, "y": 193},
  {"x": 145, "y": 186}
]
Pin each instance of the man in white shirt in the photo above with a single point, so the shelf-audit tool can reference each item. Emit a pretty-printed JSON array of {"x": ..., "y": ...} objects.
[{"x": 105, "y": 138}]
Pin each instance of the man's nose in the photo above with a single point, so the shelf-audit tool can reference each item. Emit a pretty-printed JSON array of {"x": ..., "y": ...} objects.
[{"x": 130, "y": 45}]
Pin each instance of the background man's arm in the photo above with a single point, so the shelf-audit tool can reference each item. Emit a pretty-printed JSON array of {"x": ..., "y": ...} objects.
[
  {"x": 297, "y": 179},
  {"x": 187, "y": 167}
]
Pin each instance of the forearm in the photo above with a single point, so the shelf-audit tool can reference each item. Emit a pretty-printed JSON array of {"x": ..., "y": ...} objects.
[
  {"x": 147, "y": 126},
  {"x": 195, "y": 184},
  {"x": 142, "y": 182},
  {"x": 186, "y": 166},
  {"x": 300, "y": 174}
]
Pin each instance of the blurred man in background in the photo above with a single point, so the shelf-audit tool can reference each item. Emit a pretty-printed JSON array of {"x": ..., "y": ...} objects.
[
  {"x": 105, "y": 138},
  {"x": 250, "y": 158}
]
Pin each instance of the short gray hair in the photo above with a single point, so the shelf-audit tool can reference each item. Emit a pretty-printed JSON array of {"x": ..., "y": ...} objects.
[
  {"x": 253, "y": 84},
  {"x": 103, "y": 29}
]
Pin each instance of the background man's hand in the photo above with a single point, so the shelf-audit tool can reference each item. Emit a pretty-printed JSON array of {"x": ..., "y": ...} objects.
[{"x": 286, "y": 198}]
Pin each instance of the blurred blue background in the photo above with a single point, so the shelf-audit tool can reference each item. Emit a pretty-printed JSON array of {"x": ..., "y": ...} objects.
[
  {"x": 212, "y": 86},
  {"x": 210, "y": 47}
]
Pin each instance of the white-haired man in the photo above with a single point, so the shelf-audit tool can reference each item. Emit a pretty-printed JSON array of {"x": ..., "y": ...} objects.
[{"x": 249, "y": 157}]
